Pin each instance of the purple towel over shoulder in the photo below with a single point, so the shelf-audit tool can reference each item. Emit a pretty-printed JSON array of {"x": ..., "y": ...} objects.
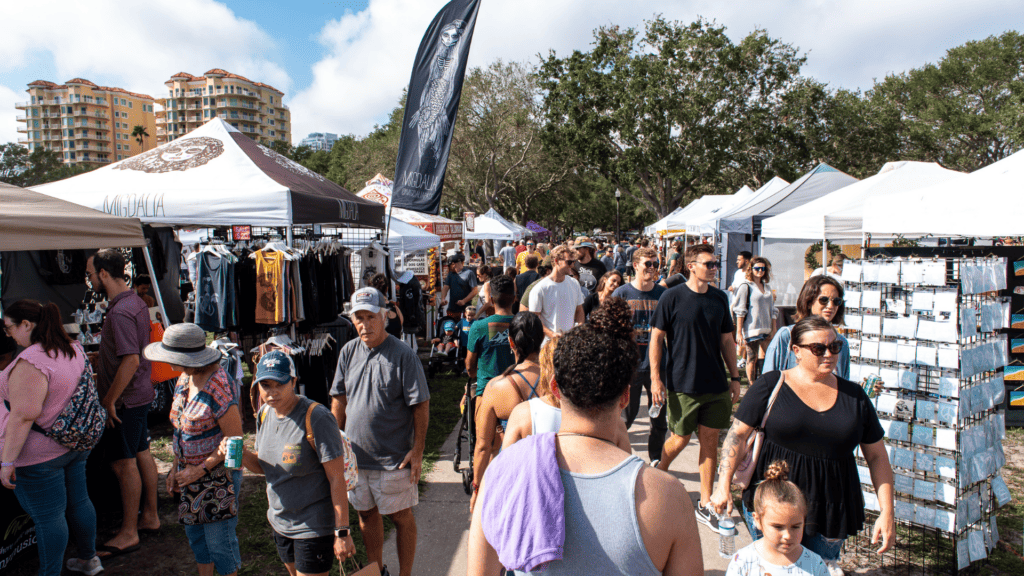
[{"x": 524, "y": 504}]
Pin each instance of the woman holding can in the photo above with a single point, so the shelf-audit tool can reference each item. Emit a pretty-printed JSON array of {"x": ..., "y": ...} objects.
[{"x": 204, "y": 411}]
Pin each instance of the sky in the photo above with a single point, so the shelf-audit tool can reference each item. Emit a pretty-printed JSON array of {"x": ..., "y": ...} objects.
[{"x": 343, "y": 64}]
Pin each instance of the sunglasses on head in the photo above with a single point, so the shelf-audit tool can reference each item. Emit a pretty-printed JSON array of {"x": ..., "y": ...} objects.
[
  {"x": 818, "y": 349},
  {"x": 823, "y": 300},
  {"x": 759, "y": 268}
]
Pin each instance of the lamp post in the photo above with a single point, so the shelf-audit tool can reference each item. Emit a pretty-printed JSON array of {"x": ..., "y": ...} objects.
[{"x": 618, "y": 193}]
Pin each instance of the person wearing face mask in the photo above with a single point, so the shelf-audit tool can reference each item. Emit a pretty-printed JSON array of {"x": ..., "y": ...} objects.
[
  {"x": 381, "y": 400},
  {"x": 820, "y": 296},
  {"x": 815, "y": 423}
]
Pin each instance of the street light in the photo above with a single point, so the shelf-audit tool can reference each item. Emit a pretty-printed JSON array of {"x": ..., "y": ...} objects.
[{"x": 618, "y": 193}]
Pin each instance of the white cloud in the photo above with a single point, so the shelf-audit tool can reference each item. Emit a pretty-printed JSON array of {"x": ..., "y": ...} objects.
[
  {"x": 848, "y": 43},
  {"x": 8, "y": 125},
  {"x": 132, "y": 45}
]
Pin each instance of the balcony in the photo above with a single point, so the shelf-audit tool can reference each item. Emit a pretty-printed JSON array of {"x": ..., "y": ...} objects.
[
  {"x": 23, "y": 129},
  {"x": 193, "y": 119},
  {"x": 51, "y": 114},
  {"x": 21, "y": 118},
  {"x": 22, "y": 105},
  {"x": 161, "y": 120},
  {"x": 24, "y": 140},
  {"x": 161, "y": 132}
]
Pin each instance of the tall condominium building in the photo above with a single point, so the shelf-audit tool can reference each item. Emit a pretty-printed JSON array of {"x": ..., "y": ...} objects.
[
  {"x": 253, "y": 108},
  {"x": 320, "y": 141},
  {"x": 86, "y": 123}
]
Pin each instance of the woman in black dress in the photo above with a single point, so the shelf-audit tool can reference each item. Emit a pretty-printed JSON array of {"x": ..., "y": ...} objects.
[{"x": 815, "y": 424}]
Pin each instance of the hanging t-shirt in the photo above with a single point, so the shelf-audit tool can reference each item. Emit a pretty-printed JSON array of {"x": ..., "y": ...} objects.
[
  {"x": 488, "y": 338},
  {"x": 270, "y": 298},
  {"x": 62, "y": 267},
  {"x": 371, "y": 261},
  {"x": 410, "y": 296},
  {"x": 215, "y": 294}
]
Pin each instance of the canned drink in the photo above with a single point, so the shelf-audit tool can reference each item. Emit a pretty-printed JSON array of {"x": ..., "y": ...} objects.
[
  {"x": 869, "y": 384},
  {"x": 233, "y": 460}
]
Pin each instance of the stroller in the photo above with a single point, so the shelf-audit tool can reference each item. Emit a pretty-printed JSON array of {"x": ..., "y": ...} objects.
[
  {"x": 467, "y": 434},
  {"x": 454, "y": 359}
]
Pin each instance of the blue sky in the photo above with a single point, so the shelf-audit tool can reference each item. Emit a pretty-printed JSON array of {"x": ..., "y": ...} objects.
[{"x": 343, "y": 64}]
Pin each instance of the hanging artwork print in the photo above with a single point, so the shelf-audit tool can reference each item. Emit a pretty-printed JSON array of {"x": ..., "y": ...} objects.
[{"x": 435, "y": 89}]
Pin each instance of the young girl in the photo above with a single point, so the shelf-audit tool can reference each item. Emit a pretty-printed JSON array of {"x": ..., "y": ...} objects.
[{"x": 779, "y": 510}]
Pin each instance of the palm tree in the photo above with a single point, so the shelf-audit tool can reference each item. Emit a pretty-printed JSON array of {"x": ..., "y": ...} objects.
[{"x": 139, "y": 132}]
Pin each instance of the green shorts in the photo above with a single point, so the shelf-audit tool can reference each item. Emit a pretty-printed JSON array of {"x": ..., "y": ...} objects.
[{"x": 686, "y": 411}]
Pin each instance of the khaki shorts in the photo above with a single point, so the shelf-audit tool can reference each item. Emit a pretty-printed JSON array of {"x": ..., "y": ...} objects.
[
  {"x": 389, "y": 491},
  {"x": 686, "y": 411}
]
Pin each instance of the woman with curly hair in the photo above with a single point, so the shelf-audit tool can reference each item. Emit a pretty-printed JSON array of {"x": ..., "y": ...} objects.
[{"x": 546, "y": 500}]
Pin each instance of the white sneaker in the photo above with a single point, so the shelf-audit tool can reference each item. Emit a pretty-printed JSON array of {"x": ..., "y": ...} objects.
[
  {"x": 741, "y": 363},
  {"x": 89, "y": 567},
  {"x": 654, "y": 463},
  {"x": 834, "y": 569}
]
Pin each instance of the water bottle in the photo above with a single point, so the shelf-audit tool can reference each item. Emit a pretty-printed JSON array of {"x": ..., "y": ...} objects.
[
  {"x": 655, "y": 410},
  {"x": 726, "y": 538}
]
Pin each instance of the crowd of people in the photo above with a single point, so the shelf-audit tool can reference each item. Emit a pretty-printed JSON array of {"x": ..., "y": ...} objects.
[{"x": 562, "y": 342}]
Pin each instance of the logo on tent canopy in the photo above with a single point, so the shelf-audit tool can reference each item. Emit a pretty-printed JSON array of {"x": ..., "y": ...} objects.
[{"x": 178, "y": 156}]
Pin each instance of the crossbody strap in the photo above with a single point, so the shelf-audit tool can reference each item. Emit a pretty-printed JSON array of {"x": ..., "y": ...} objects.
[
  {"x": 35, "y": 427},
  {"x": 771, "y": 400}
]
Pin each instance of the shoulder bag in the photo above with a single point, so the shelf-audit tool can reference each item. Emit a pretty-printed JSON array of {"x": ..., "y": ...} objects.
[{"x": 745, "y": 469}]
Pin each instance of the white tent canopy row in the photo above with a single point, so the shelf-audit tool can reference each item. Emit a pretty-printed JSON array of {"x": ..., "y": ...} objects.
[
  {"x": 839, "y": 215},
  {"x": 216, "y": 176},
  {"x": 983, "y": 204},
  {"x": 822, "y": 180}
]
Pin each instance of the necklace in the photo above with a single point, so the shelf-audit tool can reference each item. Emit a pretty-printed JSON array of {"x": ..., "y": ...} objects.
[{"x": 605, "y": 440}]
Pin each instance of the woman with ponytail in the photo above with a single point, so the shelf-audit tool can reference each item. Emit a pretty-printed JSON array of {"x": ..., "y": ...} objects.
[
  {"x": 519, "y": 383},
  {"x": 547, "y": 501},
  {"x": 48, "y": 479}
]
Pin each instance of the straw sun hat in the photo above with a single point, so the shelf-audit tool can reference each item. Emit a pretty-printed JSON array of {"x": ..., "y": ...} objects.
[{"x": 183, "y": 345}]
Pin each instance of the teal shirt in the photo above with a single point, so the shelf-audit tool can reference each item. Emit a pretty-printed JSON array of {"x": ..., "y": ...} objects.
[{"x": 488, "y": 339}]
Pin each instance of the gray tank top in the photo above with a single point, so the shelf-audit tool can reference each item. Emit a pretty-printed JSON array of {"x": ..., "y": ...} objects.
[{"x": 594, "y": 542}]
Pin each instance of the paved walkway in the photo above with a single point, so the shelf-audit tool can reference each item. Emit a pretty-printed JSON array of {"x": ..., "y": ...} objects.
[{"x": 442, "y": 516}]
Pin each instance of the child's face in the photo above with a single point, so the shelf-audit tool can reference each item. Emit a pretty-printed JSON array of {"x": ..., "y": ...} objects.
[
  {"x": 470, "y": 314},
  {"x": 782, "y": 525}
]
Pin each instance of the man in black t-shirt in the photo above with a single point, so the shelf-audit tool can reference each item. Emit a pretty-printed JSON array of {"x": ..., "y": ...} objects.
[
  {"x": 695, "y": 321},
  {"x": 589, "y": 268},
  {"x": 462, "y": 284},
  {"x": 524, "y": 279}
]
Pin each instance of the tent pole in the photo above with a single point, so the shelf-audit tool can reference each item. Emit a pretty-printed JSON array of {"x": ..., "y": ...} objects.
[
  {"x": 156, "y": 286},
  {"x": 289, "y": 236}
]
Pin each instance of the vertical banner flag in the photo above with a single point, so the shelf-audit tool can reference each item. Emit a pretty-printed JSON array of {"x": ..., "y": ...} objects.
[{"x": 434, "y": 92}]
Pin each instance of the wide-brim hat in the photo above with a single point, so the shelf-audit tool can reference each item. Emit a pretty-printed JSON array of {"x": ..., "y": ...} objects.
[{"x": 182, "y": 345}]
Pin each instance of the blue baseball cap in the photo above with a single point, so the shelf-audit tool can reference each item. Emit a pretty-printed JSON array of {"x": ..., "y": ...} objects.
[{"x": 276, "y": 366}]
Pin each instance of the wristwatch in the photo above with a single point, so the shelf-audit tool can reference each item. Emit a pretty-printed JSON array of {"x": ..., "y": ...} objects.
[
  {"x": 736, "y": 378},
  {"x": 341, "y": 532}
]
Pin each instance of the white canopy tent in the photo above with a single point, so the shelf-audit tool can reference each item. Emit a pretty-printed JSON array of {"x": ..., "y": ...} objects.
[
  {"x": 745, "y": 217},
  {"x": 493, "y": 226},
  {"x": 979, "y": 205},
  {"x": 839, "y": 215},
  {"x": 660, "y": 224},
  {"x": 378, "y": 189},
  {"x": 836, "y": 217},
  {"x": 216, "y": 176}
]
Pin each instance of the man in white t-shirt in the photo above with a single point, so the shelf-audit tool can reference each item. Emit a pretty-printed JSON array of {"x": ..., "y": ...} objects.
[
  {"x": 557, "y": 299},
  {"x": 742, "y": 261}
]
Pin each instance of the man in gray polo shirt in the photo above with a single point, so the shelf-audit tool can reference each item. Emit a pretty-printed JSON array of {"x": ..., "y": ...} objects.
[{"x": 381, "y": 401}]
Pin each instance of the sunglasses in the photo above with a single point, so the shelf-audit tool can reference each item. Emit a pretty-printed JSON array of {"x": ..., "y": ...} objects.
[
  {"x": 650, "y": 264},
  {"x": 819, "y": 349},
  {"x": 569, "y": 261},
  {"x": 824, "y": 300},
  {"x": 759, "y": 268},
  {"x": 711, "y": 264}
]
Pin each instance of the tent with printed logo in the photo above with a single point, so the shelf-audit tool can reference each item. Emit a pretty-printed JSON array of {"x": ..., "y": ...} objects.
[{"x": 216, "y": 176}]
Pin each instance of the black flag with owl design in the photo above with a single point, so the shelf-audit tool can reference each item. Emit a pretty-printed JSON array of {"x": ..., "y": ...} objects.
[{"x": 434, "y": 91}]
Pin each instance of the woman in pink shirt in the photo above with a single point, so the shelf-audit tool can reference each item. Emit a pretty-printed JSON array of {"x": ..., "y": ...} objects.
[{"x": 47, "y": 478}]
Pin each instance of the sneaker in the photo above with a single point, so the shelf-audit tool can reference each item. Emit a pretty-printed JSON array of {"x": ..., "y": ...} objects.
[
  {"x": 707, "y": 516},
  {"x": 384, "y": 571},
  {"x": 89, "y": 567},
  {"x": 654, "y": 463},
  {"x": 741, "y": 363},
  {"x": 834, "y": 569}
]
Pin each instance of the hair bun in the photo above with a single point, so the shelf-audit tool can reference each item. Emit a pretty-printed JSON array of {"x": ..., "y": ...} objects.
[
  {"x": 777, "y": 470},
  {"x": 614, "y": 317}
]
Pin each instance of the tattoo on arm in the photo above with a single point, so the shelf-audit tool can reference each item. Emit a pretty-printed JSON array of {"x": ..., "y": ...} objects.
[{"x": 730, "y": 451}]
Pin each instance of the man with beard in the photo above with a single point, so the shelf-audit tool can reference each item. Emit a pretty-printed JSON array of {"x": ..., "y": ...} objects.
[
  {"x": 125, "y": 390},
  {"x": 588, "y": 266}
]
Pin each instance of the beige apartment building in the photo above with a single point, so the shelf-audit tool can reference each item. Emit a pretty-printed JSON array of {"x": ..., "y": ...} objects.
[
  {"x": 85, "y": 123},
  {"x": 253, "y": 108}
]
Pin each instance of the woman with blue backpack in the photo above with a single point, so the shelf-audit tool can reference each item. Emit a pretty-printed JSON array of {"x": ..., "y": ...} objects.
[{"x": 48, "y": 426}]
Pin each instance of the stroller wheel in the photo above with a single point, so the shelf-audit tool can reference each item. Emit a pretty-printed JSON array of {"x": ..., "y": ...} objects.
[{"x": 467, "y": 482}]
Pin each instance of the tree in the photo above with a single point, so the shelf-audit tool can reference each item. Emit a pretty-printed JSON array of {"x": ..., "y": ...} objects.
[
  {"x": 13, "y": 163},
  {"x": 663, "y": 114},
  {"x": 281, "y": 147},
  {"x": 497, "y": 158},
  {"x": 965, "y": 112},
  {"x": 20, "y": 168},
  {"x": 140, "y": 134}
]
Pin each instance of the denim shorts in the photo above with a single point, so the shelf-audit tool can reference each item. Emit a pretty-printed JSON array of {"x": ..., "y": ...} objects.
[
  {"x": 828, "y": 548},
  {"x": 310, "y": 555},
  {"x": 217, "y": 542}
]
